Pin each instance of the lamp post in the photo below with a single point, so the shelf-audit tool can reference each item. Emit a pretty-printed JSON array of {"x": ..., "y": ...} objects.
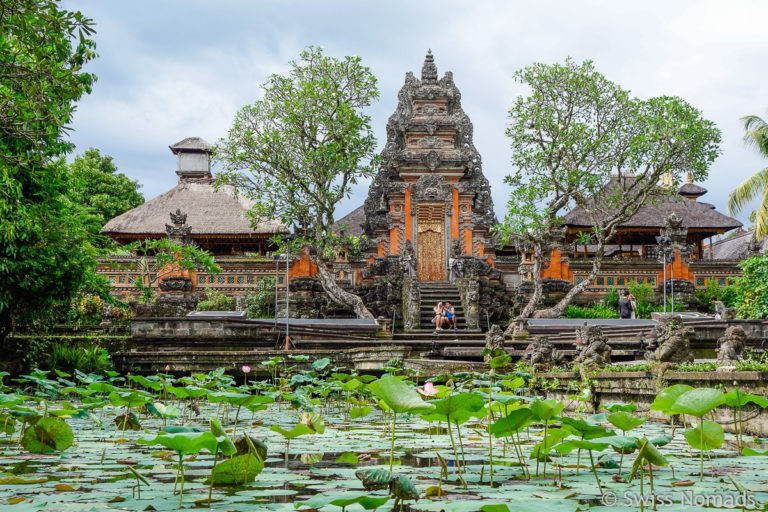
[
  {"x": 664, "y": 243},
  {"x": 277, "y": 270},
  {"x": 287, "y": 239}
]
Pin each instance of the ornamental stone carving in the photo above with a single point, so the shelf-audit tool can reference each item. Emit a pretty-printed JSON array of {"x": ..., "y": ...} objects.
[
  {"x": 432, "y": 187},
  {"x": 732, "y": 346}
]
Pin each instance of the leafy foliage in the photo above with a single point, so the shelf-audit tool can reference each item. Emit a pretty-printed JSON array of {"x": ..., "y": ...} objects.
[
  {"x": 752, "y": 288},
  {"x": 46, "y": 251},
  {"x": 159, "y": 257},
  {"x": 260, "y": 303},
  {"x": 215, "y": 301},
  {"x": 101, "y": 188}
]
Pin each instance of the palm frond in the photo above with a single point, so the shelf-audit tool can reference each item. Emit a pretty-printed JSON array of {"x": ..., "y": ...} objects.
[
  {"x": 756, "y": 135},
  {"x": 761, "y": 218},
  {"x": 747, "y": 191}
]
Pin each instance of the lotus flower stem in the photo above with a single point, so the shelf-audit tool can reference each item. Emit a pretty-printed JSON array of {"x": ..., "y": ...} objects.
[
  {"x": 599, "y": 485},
  {"x": 181, "y": 488},
  {"x": 213, "y": 472},
  {"x": 392, "y": 445}
]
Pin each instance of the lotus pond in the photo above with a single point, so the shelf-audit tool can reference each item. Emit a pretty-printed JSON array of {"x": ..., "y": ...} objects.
[{"x": 323, "y": 439}]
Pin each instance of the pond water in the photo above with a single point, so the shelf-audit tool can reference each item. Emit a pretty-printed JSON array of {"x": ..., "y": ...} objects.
[{"x": 93, "y": 474}]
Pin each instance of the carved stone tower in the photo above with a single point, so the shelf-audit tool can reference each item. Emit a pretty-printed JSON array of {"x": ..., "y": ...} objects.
[{"x": 430, "y": 188}]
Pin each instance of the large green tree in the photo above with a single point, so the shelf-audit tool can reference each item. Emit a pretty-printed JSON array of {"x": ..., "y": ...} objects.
[
  {"x": 579, "y": 139},
  {"x": 297, "y": 151},
  {"x": 100, "y": 187},
  {"x": 756, "y": 137},
  {"x": 45, "y": 250}
]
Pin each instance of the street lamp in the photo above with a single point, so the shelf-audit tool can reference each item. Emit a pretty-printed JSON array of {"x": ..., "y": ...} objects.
[
  {"x": 286, "y": 240},
  {"x": 665, "y": 244}
]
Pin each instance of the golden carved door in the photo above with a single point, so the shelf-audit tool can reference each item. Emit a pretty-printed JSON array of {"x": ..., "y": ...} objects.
[{"x": 430, "y": 221}]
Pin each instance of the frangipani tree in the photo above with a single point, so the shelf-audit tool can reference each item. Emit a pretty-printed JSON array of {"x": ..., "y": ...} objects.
[
  {"x": 297, "y": 151},
  {"x": 579, "y": 139}
]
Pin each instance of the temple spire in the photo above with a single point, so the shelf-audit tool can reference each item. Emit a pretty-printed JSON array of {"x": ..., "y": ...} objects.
[{"x": 429, "y": 70}]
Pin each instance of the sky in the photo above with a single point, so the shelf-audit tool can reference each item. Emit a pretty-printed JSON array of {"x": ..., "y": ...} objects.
[{"x": 173, "y": 69}]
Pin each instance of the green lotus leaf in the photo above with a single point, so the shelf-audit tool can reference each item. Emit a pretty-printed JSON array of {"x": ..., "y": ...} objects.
[
  {"x": 620, "y": 407},
  {"x": 144, "y": 382},
  {"x": 750, "y": 452},
  {"x": 457, "y": 408},
  {"x": 320, "y": 364},
  {"x": 545, "y": 410},
  {"x": 240, "y": 469},
  {"x": 698, "y": 402},
  {"x": 513, "y": 422},
  {"x": 343, "y": 500},
  {"x": 398, "y": 395},
  {"x": 47, "y": 435},
  {"x": 298, "y": 430},
  {"x": 625, "y": 421},
  {"x": 584, "y": 429},
  {"x": 184, "y": 442},
  {"x": 360, "y": 412},
  {"x": 129, "y": 399},
  {"x": 737, "y": 398},
  {"x": 567, "y": 447},
  {"x": 707, "y": 435},
  {"x": 667, "y": 397},
  {"x": 649, "y": 453},
  {"x": 348, "y": 458}
]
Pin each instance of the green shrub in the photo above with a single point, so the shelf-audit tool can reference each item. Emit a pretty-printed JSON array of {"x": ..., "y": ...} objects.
[
  {"x": 596, "y": 311},
  {"x": 261, "y": 303},
  {"x": 69, "y": 358},
  {"x": 216, "y": 301}
]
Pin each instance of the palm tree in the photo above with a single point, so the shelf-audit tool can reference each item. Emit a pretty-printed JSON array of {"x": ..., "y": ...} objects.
[{"x": 757, "y": 184}]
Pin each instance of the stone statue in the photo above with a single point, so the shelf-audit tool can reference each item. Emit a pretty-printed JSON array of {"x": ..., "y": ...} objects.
[
  {"x": 544, "y": 355},
  {"x": 731, "y": 346},
  {"x": 592, "y": 348},
  {"x": 409, "y": 260},
  {"x": 494, "y": 340},
  {"x": 673, "y": 340},
  {"x": 724, "y": 313}
]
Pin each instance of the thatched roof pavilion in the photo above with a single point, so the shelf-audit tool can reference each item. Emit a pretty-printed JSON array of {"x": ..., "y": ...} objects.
[
  {"x": 701, "y": 219},
  {"x": 219, "y": 218}
]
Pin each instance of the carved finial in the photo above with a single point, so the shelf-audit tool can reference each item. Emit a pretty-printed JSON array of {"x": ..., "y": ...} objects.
[
  {"x": 429, "y": 70},
  {"x": 178, "y": 218},
  {"x": 689, "y": 178}
]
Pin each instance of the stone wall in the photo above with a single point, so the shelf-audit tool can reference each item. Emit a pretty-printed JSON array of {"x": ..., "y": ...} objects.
[{"x": 641, "y": 388}]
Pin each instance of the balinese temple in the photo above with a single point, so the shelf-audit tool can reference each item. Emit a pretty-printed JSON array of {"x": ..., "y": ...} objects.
[
  {"x": 217, "y": 220},
  {"x": 430, "y": 190},
  {"x": 430, "y": 199}
]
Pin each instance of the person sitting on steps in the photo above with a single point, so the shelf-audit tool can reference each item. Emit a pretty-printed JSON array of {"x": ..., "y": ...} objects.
[
  {"x": 450, "y": 315},
  {"x": 439, "y": 319}
]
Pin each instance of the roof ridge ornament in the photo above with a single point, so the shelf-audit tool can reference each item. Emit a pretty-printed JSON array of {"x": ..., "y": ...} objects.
[{"x": 429, "y": 70}]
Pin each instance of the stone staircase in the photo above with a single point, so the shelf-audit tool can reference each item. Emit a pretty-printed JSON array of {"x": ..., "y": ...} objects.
[{"x": 431, "y": 293}]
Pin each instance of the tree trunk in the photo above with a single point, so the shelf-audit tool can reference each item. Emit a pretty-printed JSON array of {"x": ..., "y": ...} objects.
[
  {"x": 336, "y": 292},
  {"x": 558, "y": 309}
]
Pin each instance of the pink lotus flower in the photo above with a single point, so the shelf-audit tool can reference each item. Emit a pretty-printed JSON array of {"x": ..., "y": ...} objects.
[
  {"x": 167, "y": 367},
  {"x": 428, "y": 390},
  {"x": 246, "y": 368}
]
